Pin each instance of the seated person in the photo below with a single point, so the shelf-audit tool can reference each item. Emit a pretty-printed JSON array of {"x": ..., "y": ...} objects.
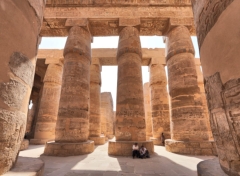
[
  {"x": 144, "y": 152},
  {"x": 135, "y": 150}
]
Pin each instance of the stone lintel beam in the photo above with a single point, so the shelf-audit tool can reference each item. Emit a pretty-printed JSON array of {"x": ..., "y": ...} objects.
[{"x": 105, "y": 21}]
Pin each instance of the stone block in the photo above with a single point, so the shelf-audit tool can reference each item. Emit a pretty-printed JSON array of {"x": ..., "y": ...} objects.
[
  {"x": 68, "y": 149},
  {"x": 124, "y": 148},
  {"x": 98, "y": 140},
  {"x": 206, "y": 152},
  {"x": 210, "y": 168},
  {"x": 206, "y": 145},
  {"x": 24, "y": 144}
]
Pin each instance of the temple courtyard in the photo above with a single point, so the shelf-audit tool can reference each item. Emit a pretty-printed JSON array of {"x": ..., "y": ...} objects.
[{"x": 99, "y": 163}]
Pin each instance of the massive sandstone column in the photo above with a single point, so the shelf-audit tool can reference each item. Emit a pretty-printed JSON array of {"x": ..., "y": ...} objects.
[
  {"x": 148, "y": 111},
  {"x": 48, "y": 108},
  {"x": 189, "y": 133},
  {"x": 72, "y": 128},
  {"x": 203, "y": 94},
  {"x": 159, "y": 101},
  {"x": 107, "y": 114},
  {"x": 130, "y": 116},
  {"x": 95, "y": 101},
  {"x": 218, "y": 28},
  {"x": 20, "y": 25}
]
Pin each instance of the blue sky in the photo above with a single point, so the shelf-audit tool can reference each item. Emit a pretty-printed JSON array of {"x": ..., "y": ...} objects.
[{"x": 109, "y": 73}]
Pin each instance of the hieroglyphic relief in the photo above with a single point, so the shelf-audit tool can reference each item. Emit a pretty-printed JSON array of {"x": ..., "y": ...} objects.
[
  {"x": 224, "y": 105},
  {"x": 206, "y": 14}
]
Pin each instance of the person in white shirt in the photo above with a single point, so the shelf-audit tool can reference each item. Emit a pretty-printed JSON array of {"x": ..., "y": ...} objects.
[
  {"x": 144, "y": 152},
  {"x": 135, "y": 150}
]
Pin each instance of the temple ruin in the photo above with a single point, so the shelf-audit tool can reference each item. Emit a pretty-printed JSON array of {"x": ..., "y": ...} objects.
[{"x": 194, "y": 103}]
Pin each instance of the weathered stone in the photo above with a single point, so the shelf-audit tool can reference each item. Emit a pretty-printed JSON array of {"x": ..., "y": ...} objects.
[
  {"x": 148, "y": 112},
  {"x": 217, "y": 29},
  {"x": 190, "y": 148},
  {"x": 130, "y": 115},
  {"x": 124, "y": 148},
  {"x": 159, "y": 101},
  {"x": 73, "y": 122},
  {"x": 107, "y": 115},
  {"x": 188, "y": 121},
  {"x": 95, "y": 115},
  {"x": 210, "y": 168},
  {"x": 68, "y": 149},
  {"x": 24, "y": 144},
  {"x": 48, "y": 109},
  {"x": 19, "y": 26}
]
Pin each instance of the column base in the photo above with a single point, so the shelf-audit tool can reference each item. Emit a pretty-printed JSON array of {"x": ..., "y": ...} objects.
[
  {"x": 210, "y": 168},
  {"x": 24, "y": 144},
  {"x": 191, "y": 147},
  {"x": 156, "y": 141},
  {"x": 68, "y": 149},
  {"x": 124, "y": 148},
  {"x": 110, "y": 136},
  {"x": 26, "y": 166},
  {"x": 98, "y": 140},
  {"x": 40, "y": 141}
]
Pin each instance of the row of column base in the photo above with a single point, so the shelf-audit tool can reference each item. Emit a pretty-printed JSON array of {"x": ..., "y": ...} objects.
[
  {"x": 191, "y": 147},
  {"x": 124, "y": 148}
]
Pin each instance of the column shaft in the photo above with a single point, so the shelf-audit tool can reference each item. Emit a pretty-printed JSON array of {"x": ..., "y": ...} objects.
[
  {"x": 148, "y": 110},
  {"x": 218, "y": 29},
  {"x": 20, "y": 24},
  {"x": 159, "y": 102},
  {"x": 73, "y": 122},
  {"x": 130, "y": 116},
  {"x": 188, "y": 122},
  {"x": 48, "y": 108}
]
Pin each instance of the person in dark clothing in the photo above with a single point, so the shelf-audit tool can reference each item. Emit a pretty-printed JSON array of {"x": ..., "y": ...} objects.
[
  {"x": 144, "y": 152},
  {"x": 135, "y": 150},
  {"x": 163, "y": 139}
]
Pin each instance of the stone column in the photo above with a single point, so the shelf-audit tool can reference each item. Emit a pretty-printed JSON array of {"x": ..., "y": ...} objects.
[
  {"x": 189, "y": 125},
  {"x": 159, "y": 102},
  {"x": 107, "y": 114},
  {"x": 130, "y": 116},
  {"x": 72, "y": 128},
  {"x": 31, "y": 112},
  {"x": 48, "y": 108},
  {"x": 203, "y": 95},
  {"x": 20, "y": 25},
  {"x": 95, "y": 100},
  {"x": 218, "y": 29},
  {"x": 148, "y": 111}
]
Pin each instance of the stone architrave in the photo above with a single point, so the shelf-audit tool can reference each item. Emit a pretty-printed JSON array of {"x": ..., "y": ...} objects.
[
  {"x": 189, "y": 125},
  {"x": 20, "y": 25},
  {"x": 72, "y": 128},
  {"x": 130, "y": 115},
  {"x": 159, "y": 101},
  {"x": 49, "y": 104},
  {"x": 107, "y": 114},
  {"x": 148, "y": 111},
  {"x": 95, "y": 101},
  {"x": 218, "y": 29}
]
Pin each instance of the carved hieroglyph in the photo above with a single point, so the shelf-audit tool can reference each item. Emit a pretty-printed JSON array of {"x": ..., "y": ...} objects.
[
  {"x": 18, "y": 48},
  {"x": 107, "y": 114},
  {"x": 187, "y": 118},
  {"x": 148, "y": 111},
  {"x": 48, "y": 108},
  {"x": 218, "y": 30},
  {"x": 73, "y": 122},
  {"x": 95, "y": 100},
  {"x": 159, "y": 101},
  {"x": 130, "y": 115}
]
